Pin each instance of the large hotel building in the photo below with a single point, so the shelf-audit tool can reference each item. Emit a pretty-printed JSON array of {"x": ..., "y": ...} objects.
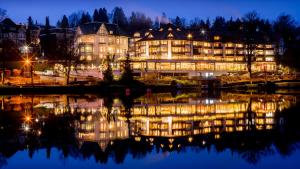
[
  {"x": 174, "y": 51},
  {"x": 171, "y": 51}
]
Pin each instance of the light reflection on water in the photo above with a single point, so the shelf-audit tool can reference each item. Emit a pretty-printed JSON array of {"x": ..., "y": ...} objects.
[{"x": 156, "y": 130}]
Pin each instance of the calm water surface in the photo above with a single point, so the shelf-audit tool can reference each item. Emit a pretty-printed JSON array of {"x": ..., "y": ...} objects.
[{"x": 158, "y": 130}]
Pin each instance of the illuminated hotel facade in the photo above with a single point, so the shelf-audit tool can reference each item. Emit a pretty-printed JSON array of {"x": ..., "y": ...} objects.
[
  {"x": 96, "y": 40},
  {"x": 174, "y": 51}
]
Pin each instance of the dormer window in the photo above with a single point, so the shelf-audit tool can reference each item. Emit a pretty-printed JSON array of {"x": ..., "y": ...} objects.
[
  {"x": 150, "y": 35},
  {"x": 161, "y": 29},
  {"x": 178, "y": 29},
  {"x": 147, "y": 33},
  {"x": 170, "y": 35},
  {"x": 189, "y": 36},
  {"x": 170, "y": 29},
  {"x": 217, "y": 38},
  {"x": 137, "y": 35},
  {"x": 111, "y": 32}
]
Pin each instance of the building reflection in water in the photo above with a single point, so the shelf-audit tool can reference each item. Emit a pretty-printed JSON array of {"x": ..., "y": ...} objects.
[{"x": 160, "y": 119}]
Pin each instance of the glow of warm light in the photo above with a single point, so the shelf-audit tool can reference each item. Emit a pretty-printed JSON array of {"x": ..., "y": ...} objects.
[
  {"x": 137, "y": 138},
  {"x": 190, "y": 139},
  {"x": 189, "y": 36},
  {"x": 26, "y": 128},
  {"x": 203, "y": 31},
  {"x": 151, "y": 139},
  {"x": 28, "y": 118}
]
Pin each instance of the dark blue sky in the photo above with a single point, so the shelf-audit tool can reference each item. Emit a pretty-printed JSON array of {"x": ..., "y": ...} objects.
[{"x": 19, "y": 10}]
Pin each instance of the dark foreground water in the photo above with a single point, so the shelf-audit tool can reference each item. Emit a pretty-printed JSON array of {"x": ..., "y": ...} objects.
[{"x": 158, "y": 130}]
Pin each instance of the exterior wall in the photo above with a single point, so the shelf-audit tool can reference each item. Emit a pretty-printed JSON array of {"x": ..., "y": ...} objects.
[
  {"x": 18, "y": 37},
  {"x": 198, "y": 57},
  {"x": 95, "y": 47}
]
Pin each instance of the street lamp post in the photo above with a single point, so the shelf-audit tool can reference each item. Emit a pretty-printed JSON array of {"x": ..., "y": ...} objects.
[{"x": 28, "y": 62}]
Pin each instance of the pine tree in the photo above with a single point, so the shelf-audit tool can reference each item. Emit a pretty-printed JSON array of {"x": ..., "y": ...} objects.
[
  {"x": 119, "y": 18},
  {"x": 30, "y": 21},
  {"x": 108, "y": 73},
  {"x": 96, "y": 17},
  {"x": 64, "y": 22},
  {"x": 28, "y": 30},
  {"x": 178, "y": 22},
  {"x": 103, "y": 17},
  {"x": 127, "y": 75}
]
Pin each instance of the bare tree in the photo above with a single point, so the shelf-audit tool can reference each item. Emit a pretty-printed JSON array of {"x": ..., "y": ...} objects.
[{"x": 250, "y": 37}]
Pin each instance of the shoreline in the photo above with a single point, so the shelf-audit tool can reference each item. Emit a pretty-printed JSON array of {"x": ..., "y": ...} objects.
[{"x": 110, "y": 89}]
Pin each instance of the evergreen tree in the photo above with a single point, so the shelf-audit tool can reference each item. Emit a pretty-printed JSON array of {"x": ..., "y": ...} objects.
[
  {"x": 74, "y": 19},
  {"x": 28, "y": 30},
  {"x": 139, "y": 21},
  {"x": 64, "y": 22},
  {"x": 119, "y": 18},
  {"x": 108, "y": 73},
  {"x": 88, "y": 17},
  {"x": 178, "y": 22},
  {"x": 96, "y": 17},
  {"x": 30, "y": 21},
  {"x": 103, "y": 17},
  {"x": 47, "y": 24},
  {"x": 85, "y": 18},
  {"x": 127, "y": 75}
]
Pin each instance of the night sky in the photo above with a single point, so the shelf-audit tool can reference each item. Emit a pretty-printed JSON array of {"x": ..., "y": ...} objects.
[{"x": 19, "y": 10}]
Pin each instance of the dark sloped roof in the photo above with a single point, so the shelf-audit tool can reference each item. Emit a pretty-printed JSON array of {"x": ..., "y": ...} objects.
[
  {"x": 174, "y": 32},
  {"x": 93, "y": 27},
  {"x": 8, "y": 22}
]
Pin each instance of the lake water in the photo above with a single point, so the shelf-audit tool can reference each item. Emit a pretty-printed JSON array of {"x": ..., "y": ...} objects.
[{"x": 156, "y": 130}]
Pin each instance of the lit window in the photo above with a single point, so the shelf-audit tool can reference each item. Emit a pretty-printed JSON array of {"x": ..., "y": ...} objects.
[
  {"x": 216, "y": 37},
  {"x": 269, "y": 59},
  {"x": 170, "y": 35}
]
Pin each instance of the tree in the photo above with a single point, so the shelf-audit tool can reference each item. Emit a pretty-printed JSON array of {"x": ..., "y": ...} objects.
[
  {"x": 96, "y": 17},
  {"x": 219, "y": 25},
  {"x": 108, "y": 73},
  {"x": 103, "y": 17},
  {"x": 139, "y": 21},
  {"x": 9, "y": 52},
  {"x": 119, "y": 18},
  {"x": 3, "y": 14},
  {"x": 64, "y": 22},
  {"x": 178, "y": 22},
  {"x": 251, "y": 37},
  {"x": 28, "y": 30},
  {"x": 285, "y": 33},
  {"x": 127, "y": 75},
  {"x": 85, "y": 18},
  {"x": 74, "y": 19}
]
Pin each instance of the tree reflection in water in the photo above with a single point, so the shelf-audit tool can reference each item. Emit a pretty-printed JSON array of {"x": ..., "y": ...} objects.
[{"x": 252, "y": 126}]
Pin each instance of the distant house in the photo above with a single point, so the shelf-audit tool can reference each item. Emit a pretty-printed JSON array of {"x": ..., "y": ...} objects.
[
  {"x": 51, "y": 37},
  {"x": 96, "y": 40},
  {"x": 12, "y": 31}
]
